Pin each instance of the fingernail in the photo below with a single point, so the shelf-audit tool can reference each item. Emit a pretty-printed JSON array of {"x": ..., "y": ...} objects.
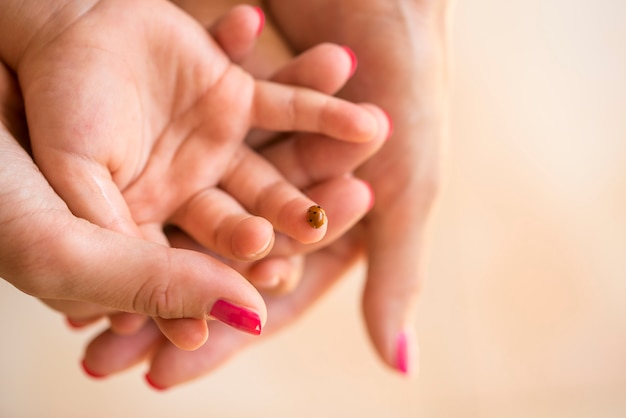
[
  {"x": 261, "y": 20},
  {"x": 151, "y": 383},
  {"x": 237, "y": 317},
  {"x": 402, "y": 354},
  {"x": 73, "y": 324},
  {"x": 89, "y": 372},
  {"x": 372, "y": 195},
  {"x": 353, "y": 59},
  {"x": 390, "y": 121}
]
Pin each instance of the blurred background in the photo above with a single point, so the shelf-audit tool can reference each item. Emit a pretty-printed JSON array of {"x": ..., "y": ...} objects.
[{"x": 524, "y": 311}]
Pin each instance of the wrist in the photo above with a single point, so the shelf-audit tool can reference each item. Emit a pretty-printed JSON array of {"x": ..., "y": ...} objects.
[{"x": 29, "y": 24}]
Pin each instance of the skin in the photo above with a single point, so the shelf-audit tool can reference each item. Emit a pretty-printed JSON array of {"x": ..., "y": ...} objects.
[
  {"x": 406, "y": 72},
  {"x": 167, "y": 75}
]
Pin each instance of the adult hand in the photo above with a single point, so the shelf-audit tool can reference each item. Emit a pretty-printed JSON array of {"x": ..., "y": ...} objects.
[
  {"x": 127, "y": 148},
  {"x": 406, "y": 70},
  {"x": 48, "y": 252},
  {"x": 401, "y": 48}
]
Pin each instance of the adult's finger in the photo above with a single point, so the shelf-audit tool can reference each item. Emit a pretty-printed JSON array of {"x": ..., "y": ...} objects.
[
  {"x": 329, "y": 266},
  {"x": 49, "y": 253}
]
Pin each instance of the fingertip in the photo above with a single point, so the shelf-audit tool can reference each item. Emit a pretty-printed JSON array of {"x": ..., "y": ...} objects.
[
  {"x": 76, "y": 324},
  {"x": 154, "y": 385},
  {"x": 406, "y": 360},
  {"x": 353, "y": 60},
  {"x": 89, "y": 372},
  {"x": 277, "y": 275},
  {"x": 185, "y": 333},
  {"x": 382, "y": 120},
  {"x": 252, "y": 238}
]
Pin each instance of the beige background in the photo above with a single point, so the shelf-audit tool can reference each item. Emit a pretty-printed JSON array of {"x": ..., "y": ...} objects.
[{"x": 524, "y": 313}]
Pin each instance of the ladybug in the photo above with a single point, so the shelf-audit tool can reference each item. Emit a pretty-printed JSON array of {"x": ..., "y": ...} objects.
[{"x": 316, "y": 217}]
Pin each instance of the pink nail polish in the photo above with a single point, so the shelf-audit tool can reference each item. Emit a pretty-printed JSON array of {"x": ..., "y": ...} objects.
[
  {"x": 237, "y": 317},
  {"x": 89, "y": 372},
  {"x": 402, "y": 354},
  {"x": 261, "y": 20},
  {"x": 353, "y": 59},
  {"x": 72, "y": 323},
  {"x": 153, "y": 385}
]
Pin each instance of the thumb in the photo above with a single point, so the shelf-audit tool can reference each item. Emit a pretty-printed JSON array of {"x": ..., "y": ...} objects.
[{"x": 93, "y": 264}]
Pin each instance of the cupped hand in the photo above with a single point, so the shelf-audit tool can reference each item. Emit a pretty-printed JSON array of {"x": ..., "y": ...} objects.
[
  {"x": 140, "y": 124},
  {"x": 406, "y": 71},
  {"x": 48, "y": 252},
  {"x": 402, "y": 54}
]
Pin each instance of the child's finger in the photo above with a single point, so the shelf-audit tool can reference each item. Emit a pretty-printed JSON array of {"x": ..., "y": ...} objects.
[
  {"x": 89, "y": 191},
  {"x": 283, "y": 108},
  {"x": 274, "y": 274},
  {"x": 325, "y": 68},
  {"x": 307, "y": 159},
  {"x": 237, "y": 31},
  {"x": 263, "y": 191},
  {"x": 218, "y": 222},
  {"x": 346, "y": 200}
]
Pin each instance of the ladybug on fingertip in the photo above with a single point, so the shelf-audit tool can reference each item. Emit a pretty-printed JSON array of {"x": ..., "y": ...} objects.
[{"x": 316, "y": 217}]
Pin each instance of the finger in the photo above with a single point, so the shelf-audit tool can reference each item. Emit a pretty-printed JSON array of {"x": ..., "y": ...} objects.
[
  {"x": 94, "y": 196},
  {"x": 325, "y": 68},
  {"x": 122, "y": 273},
  {"x": 237, "y": 31},
  {"x": 395, "y": 244},
  {"x": 263, "y": 191},
  {"x": 346, "y": 201},
  {"x": 330, "y": 265},
  {"x": 109, "y": 353},
  {"x": 125, "y": 323},
  {"x": 282, "y": 108},
  {"x": 276, "y": 274},
  {"x": 218, "y": 222},
  {"x": 186, "y": 333},
  {"x": 122, "y": 323},
  {"x": 308, "y": 159}
]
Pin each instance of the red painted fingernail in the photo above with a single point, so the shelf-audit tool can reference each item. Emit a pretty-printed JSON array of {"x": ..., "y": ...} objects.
[
  {"x": 402, "y": 354},
  {"x": 353, "y": 59},
  {"x": 261, "y": 20},
  {"x": 237, "y": 317},
  {"x": 73, "y": 324},
  {"x": 89, "y": 372},
  {"x": 390, "y": 124},
  {"x": 153, "y": 385}
]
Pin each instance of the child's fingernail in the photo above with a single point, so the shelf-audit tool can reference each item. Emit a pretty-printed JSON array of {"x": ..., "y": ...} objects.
[
  {"x": 261, "y": 20},
  {"x": 353, "y": 59},
  {"x": 90, "y": 372},
  {"x": 237, "y": 317},
  {"x": 153, "y": 385},
  {"x": 390, "y": 121},
  {"x": 402, "y": 353},
  {"x": 372, "y": 195}
]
